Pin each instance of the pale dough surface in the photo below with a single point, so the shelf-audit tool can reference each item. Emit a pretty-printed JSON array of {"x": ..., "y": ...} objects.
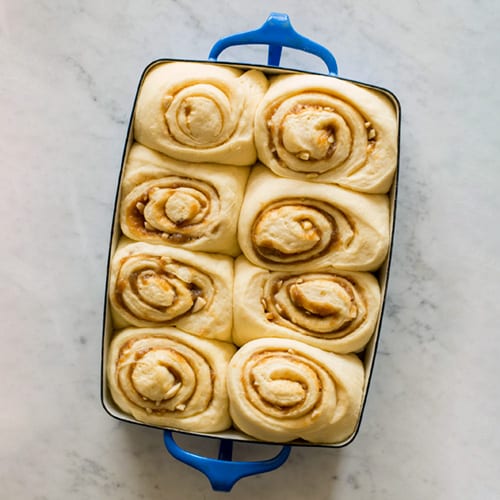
[
  {"x": 281, "y": 390},
  {"x": 160, "y": 285},
  {"x": 199, "y": 112},
  {"x": 164, "y": 377},
  {"x": 290, "y": 224},
  {"x": 190, "y": 205},
  {"x": 325, "y": 129},
  {"x": 334, "y": 310}
]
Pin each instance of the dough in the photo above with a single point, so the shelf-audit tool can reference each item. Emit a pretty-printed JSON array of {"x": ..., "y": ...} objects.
[
  {"x": 193, "y": 206},
  {"x": 334, "y": 310},
  {"x": 199, "y": 112},
  {"x": 325, "y": 129},
  {"x": 281, "y": 390},
  {"x": 162, "y": 376},
  {"x": 159, "y": 285},
  {"x": 289, "y": 224}
]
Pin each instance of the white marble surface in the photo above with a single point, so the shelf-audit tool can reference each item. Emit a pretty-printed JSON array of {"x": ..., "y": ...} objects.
[{"x": 67, "y": 79}]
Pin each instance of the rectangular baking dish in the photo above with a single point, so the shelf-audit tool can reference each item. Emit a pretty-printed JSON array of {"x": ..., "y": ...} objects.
[{"x": 223, "y": 472}]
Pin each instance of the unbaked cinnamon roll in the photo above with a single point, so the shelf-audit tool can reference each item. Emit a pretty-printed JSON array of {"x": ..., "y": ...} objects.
[
  {"x": 165, "y": 377},
  {"x": 281, "y": 390},
  {"x": 288, "y": 224},
  {"x": 199, "y": 112},
  {"x": 333, "y": 310},
  {"x": 158, "y": 285},
  {"x": 194, "y": 206},
  {"x": 324, "y": 129}
]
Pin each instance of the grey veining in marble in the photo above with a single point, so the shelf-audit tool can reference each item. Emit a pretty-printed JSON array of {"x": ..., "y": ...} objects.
[{"x": 68, "y": 75}]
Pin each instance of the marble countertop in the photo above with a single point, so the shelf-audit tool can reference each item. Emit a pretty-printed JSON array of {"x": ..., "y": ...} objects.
[{"x": 68, "y": 77}]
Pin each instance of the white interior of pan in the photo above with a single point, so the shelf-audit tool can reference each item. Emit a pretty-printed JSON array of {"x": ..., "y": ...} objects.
[{"x": 370, "y": 351}]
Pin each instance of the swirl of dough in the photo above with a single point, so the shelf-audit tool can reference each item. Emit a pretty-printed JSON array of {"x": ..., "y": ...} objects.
[
  {"x": 327, "y": 130},
  {"x": 154, "y": 285},
  {"x": 165, "y": 377},
  {"x": 281, "y": 389},
  {"x": 157, "y": 289},
  {"x": 201, "y": 115},
  {"x": 317, "y": 302},
  {"x": 172, "y": 209},
  {"x": 188, "y": 205},
  {"x": 199, "y": 112},
  {"x": 330, "y": 309},
  {"x": 314, "y": 133},
  {"x": 288, "y": 223},
  {"x": 297, "y": 230}
]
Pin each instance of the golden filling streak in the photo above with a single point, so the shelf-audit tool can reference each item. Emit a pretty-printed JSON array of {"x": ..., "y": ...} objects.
[
  {"x": 284, "y": 385},
  {"x": 169, "y": 381},
  {"x": 298, "y": 230},
  {"x": 314, "y": 132},
  {"x": 175, "y": 209},
  {"x": 320, "y": 305},
  {"x": 202, "y": 115},
  {"x": 159, "y": 289}
]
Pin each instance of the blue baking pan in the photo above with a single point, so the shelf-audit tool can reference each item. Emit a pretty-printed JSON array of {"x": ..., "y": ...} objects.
[{"x": 223, "y": 472}]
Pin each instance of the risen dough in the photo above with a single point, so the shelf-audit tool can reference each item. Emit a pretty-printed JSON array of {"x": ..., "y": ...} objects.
[
  {"x": 194, "y": 206},
  {"x": 334, "y": 310},
  {"x": 324, "y": 129},
  {"x": 159, "y": 285},
  {"x": 288, "y": 224},
  {"x": 281, "y": 390},
  {"x": 165, "y": 377},
  {"x": 199, "y": 112}
]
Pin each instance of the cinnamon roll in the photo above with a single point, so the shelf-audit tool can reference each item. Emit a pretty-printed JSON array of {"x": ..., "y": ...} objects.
[
  {"x": 165, "y": 377},
  {"x": 199, "y": 112},
  {"x": 159, "y": 285},
  {"x": 288, "y": 224},
  {"x": 281, "y": 390},
  {"x": 181, "y": 204},
  {"x": 333, "y": 310},
  {"x": 324, "y": 129}
]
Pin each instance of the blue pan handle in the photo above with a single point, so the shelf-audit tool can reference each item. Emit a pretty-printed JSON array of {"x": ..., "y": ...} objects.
[
  {"x": 277, "y": 32},
  {"x": 222, "y": 472}
]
